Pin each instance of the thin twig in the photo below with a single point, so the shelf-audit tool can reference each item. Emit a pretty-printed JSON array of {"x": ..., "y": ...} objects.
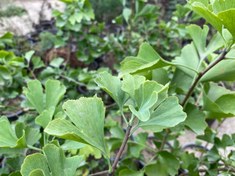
[
  {"x": 189, "y": 93},
  {"x": 164, "y": 140},
  {"x": 124, "y": 142},
  {"x": 72, "y": 80},
  {"x": 201, "y": 74},
  {"x": 118, "y": 156},
  {"x": 106, "y": 172}
]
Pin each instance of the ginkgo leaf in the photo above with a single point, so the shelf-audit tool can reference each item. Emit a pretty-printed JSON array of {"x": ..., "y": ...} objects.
[
  {"x": 131, "y": 83},
  {"x": 168, "y": 114},
  {"x": 217, "y": 101},
  {"x": 35, "y": 164},
  {"x": 35, "y": 96},
  {"x": 221, "y": 15},
  {"x": 51, "y": 163},
  {"x": 87, "y": 115},
  {"x": 228, "y": 17},
  {"x": 147, "y": 59},
  {"x": 188, "y": 60},
  {"x": 199, "y": 37},
  {"x": 8, "y": 136},
  {"x": 223, "y": 71},
  {"x": 44, "y": 103},
  {"x": 145, "y": 98},
  {"x": 196, "y": 119},
  {"x": 16, "y": 138},
  {"x": 210, "y": 17},
  {"x": 112, "y": 85},
  {"x": 54, "y": 91},
  {"x": 45, "y": 117},
  {"x": 167, "y": 164}
]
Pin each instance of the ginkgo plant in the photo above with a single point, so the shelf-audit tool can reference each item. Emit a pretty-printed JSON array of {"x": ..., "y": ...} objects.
[{"x": 154, "y": 101}]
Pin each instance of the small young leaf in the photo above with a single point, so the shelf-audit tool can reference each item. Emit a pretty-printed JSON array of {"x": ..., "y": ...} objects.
[
  {"x": 18, "y": 137},
  {"x": 45, "y": 117},
  {"x": 8, "y": 136},
  {"x": 112, "y": 85},
  {"x": 126, "y": 14},
  {"x": 145, "y": 98},
  {"x": 131, "y": 83},
  {"x": 168, "y": 114}
]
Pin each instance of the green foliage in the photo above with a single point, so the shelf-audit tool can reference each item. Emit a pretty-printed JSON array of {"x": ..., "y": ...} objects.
[
  {"x": 11, "y": 68},
  {"x": 126, "y": 120},
  {"x": 52, "y": 162},
  {"x": 5, "y": 40},
  {"x": 218, "y": 13},
  {"x": 19, "y": 137}
]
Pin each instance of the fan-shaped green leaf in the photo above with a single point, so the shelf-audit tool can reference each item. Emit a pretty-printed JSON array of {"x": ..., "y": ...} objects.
[
  {"x": 195, "y": 119},
  {"x": 167, "y": 164},
  {"x": 218, "y": 101},
  {"x": 112, "y": 85},
  {"x": 222, "y": 5},
  {"x": 223, "y": 71},
  {"x": 45, "y": 117},
  {"x": 87, "y": 114},
  {"x": 168, "y": 114},
  {"x": 145, "y": 98},
  {"x": 52, "y": 163},
  {"x": 131, "y": 83},
  {"x": 210, "y": 17},
  {"x": 33, "y": 163},
  {"x": 18, "y": 137},
  {"x": 45, "y": 104},
  {"x": 188, "y": 59},
  {"x": 199, "y": 37},
  {"x": 147, "y": 59},
  {"x": 34, "y": 94},
  {"x": 54, "y": 92}
]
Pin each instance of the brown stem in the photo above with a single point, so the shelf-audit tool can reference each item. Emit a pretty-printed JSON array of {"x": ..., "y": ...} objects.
[
  {"x": 106, "y": 172},
  {"x": 124, "y": 142},
  {"x": 189, "y": 93},
  {"x": 201, "y": 74},
  {"x": 164, "y": 140},
  {"x": 119, "y": 154}
]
